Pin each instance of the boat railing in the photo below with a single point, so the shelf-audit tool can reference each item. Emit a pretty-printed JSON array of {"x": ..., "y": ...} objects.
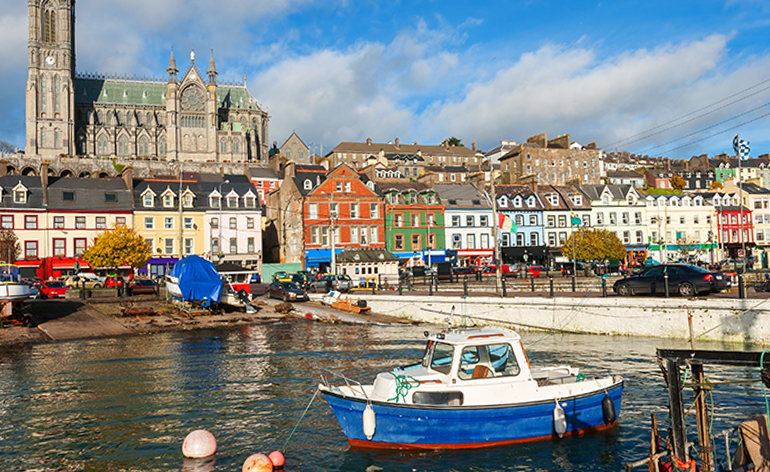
[{"x": 350, "y": 383}]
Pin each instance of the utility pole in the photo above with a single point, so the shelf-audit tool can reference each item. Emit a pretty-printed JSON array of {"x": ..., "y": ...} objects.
[
  {"x": 181, "y": 221},
  {"x": 331, "y": 233},
  {"x": 496, "y": 242}
]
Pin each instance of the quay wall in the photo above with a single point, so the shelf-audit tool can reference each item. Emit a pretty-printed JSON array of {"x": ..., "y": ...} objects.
[{"x": 731, "y": 320}]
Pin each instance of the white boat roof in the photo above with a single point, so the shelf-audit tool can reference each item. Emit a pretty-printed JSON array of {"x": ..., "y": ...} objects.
[{"x": 484, "y": 335}]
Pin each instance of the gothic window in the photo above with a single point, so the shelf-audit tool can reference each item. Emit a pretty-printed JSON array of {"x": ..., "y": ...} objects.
[
  {"x": 222, "y": 146},
  {"x": 149, "y": 119},
  {"x": 98, "y": 117},
  {"x": 81, "y": 145},
  {"x": 119, "y": 118},
  {"x": 236, "y": 146},
  {"x": 193, "y": 100},
  {"x": 42, "y": 139},
  {"x": 123, "y": 146},
  {"x": 43, "y": 94},
  {"x": 49, "y": 23},
  {"x": 56, "y": 93},
  {"x": 56, "y": 138},
  {"x": 144, "y": 146},
  {"x": 101, "y": 146},
  {"x": 162, "y": 146},
  {"x": 109, "y": 117}
]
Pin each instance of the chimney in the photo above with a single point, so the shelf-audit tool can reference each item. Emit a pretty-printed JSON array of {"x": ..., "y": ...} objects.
[
  {"x": 4, "y": 168},
  {"x": 44, "y": 181},
  {"x": 128, "y": 179},
  {"x": 369, "y": 141},
  {"x": 473, "y": 146},
  {"x": 396, "y": 142},
  {"x": 247, "y": 170},
  {"x": 446, "y": 144},
  {"x": 222, "y": 171},
  {"x": 289, "y": 170}
]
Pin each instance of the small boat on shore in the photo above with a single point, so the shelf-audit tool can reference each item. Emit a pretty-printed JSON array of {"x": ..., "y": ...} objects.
[
  {"x": 474, "y": 388},
  {"x": 11, "y": 286}
]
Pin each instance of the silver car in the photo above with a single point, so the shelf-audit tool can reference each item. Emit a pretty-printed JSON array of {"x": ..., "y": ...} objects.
[{"x": 328, "y": 283}]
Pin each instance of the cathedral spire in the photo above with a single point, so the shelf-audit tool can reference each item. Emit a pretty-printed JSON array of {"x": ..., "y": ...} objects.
[
  {"x": 212, "y": 70},
  {"x": 172, "y": 70}
]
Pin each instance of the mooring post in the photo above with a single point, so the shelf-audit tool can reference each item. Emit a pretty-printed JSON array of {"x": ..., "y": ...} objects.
[
  {"x": 550, "y": 282},
  {"x": 665, "y": 284},
  {"x": 465, "y": 286},
  {"x": 430, "y": 286},
  {"x": 574, "y": 280},
  {"x": 677, "y": 414},
  {"x": 532, "y": 282},
  {"x": 502, "y": 281},
  {"x": 604, "y": 287},
  {"x": 741, "y": 287}
]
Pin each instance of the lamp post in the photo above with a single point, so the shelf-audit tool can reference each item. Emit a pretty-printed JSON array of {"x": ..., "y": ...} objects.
[{"x": 221, "y": 202}]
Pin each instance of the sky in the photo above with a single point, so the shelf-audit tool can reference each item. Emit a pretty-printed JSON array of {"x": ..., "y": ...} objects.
[{"x": 657, "y": 78}]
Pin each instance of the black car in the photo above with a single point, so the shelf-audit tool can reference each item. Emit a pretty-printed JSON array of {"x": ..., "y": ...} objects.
[
  {"x": 287, "y": 291},
  {"x": 687, "y": 280}
]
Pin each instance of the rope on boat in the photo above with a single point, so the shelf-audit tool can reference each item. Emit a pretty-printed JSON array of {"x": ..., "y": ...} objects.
[
  {"x": 402, "y": 386},
  {"x": 283, "y": 450},
  {"x": 764, "y": 392},
  {"x": 574, "y": 313}
]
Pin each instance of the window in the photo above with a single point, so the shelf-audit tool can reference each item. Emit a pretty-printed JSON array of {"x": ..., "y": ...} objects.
[
  {"x": 168, "y": 223},
  {"x": 415, "y": 220},
  {"x": 562, "y": 238},
  {"x": 533, "y": 240},
  {"x": 80, "y": 246},
  {"x": 59, "y": 247},
  {"x": 484, "y": 241},
  {"x": 215, "y": 246},
  {"x": 626, "y": 237},
  {"x": 398, "y": 220},
  {"x": 552, "y": 239},
  {"x": 215, "y": 223},
  {"x": 519, "y": 239},
  {"x": 215, "y": 200},
  {"x": 233, "y": 245},
  {"x": 308, "y": 184},
  {"x": 416, "y": 242},
  {"x": 339, "y": 186},
  {"x": 7, "y": 221},
  {"x": 314, "y": 235},
  {"x": 398, "y": 241},
  {"x": 551, "y": 221},
  {"x": 324, "y": 236},
  {"x": 101, "y": 222},
  {"x": 168, "y": 200},
  {"x": 30, "y": 222},
  {"x": 188, "y": 223},
  {"x": 148, "y": 200},
  {"x": 149, "y": 222},
  {"x": 432, "y": 241},
  {"x": 30, "y": 249},
  {"x": 312, "y": 210},
  {"x": 483, "y": 221},
  {"x": 169, "y": 242},
  {"x": 519, "y": 220},
  {"x": 19, "y": 196},
  {"x": 233, "y": 223},
  {"x": 250, "y": 223},
  {"x": 533, "y": 220},
  {"x": 613, "y": 218},
  {"x": 455, "y": 221},
  {"x": 562, "y": 221},
  {"x": 68, "y": 196},
  {"x": 624, "y": 218},
  {"x": 250, "y": 245},
  {"x": 232, "y": 202},
  {"x": 586, "y": 220},
  {"x": 638, "y": 218},
  {"x": 374, "y": 210},
  {"x": 189, "y": 247},
  {"x": 599, "y": 219},
  {"x": 354, "y": 210},
  {"x": 505, "y": 240},
  {"x": 456, "y": 241},
  {"x": 469, "y": 221},
  {"x": 334, "y": 209}
]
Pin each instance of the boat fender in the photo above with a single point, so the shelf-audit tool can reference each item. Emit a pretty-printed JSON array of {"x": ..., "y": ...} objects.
[
  {"x": 559, "y": 420},
  {"x": 369, "y": 422},
  {"x": 608, "y": 409}
]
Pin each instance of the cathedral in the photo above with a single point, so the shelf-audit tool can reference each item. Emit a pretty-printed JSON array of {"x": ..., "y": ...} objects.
[{"x": 188, "y": 119}]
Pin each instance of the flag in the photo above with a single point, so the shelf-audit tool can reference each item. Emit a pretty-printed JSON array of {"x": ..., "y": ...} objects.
[
  {"x": 741, "y": 148},
  {"x": 574, "y": 219},
  {"x": 506, "y": 224}
]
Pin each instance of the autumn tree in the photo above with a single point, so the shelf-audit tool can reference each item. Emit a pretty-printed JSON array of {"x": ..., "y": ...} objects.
[
  {"x": 716, "y": 185},
  {"x": 119, "y": 246},
  {"x": 10, "y": 248},
  {"x": 678, "y": 182},
  {"x": 594, "y": 245}
]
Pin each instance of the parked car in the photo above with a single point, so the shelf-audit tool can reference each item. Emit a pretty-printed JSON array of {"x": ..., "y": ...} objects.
[
  {"x": 34, "y": 293},
  {"x": 462, "y": 270},
  {"x": 281, "y": 276},
  {"x": 286, "y": 291},
  {"x": 687, "y": 280},
  {"x": 299, "y": 280},
  {"x": 52, "y": 289},
  {"x": 139, "y": 286},
  {"x": 327, "y": 283},
  {"x": 114, "y": 281},
  {"x": 255, "y": 279},
  {"x": 535, "y": 271},
  {"x": 77, "y": 281}
]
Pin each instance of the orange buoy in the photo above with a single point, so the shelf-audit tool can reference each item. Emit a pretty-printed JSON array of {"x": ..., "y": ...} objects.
[
  {"x": 276, "y": 457},
  {"x": 257, "y": 463},
  {"x": 198, "y": 444}
]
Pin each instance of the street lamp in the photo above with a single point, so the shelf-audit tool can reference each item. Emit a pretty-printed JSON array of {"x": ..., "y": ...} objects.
[{"x": 221, "y": 202}]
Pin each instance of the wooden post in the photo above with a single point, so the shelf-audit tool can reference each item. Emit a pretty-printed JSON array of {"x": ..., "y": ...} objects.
[
  {"x": 678, "y": 433},
  {"x": 706, "y": 450}
]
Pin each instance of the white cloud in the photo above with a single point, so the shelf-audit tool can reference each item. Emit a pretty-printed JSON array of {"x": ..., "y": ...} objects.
[{"x": 13, "y": 57}]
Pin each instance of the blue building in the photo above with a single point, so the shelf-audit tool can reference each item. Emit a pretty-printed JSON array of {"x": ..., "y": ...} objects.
[{"x": 524, "y": 207}]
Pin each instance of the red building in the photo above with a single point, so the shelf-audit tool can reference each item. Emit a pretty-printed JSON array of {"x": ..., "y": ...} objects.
[
  {"x": 735, "y": 230},
  {"x": 344, "y": 210}
]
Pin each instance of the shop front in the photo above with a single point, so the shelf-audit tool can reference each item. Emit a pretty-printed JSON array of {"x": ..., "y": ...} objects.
[
  {"x": 158, "y": 266},
  {"x": 527, "y": 255}
]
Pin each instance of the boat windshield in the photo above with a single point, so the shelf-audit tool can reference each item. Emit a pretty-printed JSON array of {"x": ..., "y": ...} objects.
[
  {"x": 493, "y": 360},
  {"x": 441, "y": 361}
]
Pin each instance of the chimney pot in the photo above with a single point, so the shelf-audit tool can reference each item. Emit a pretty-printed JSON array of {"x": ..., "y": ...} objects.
[
  {"x": 369, "y": 141},
  {"x": 474, "y": 146}
]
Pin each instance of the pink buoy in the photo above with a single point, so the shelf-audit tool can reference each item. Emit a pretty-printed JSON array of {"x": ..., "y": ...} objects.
[
  {"x": 257, "y": 463},
  {"x": 276, "y": 457},
  {"x": 198, "y": 444}
]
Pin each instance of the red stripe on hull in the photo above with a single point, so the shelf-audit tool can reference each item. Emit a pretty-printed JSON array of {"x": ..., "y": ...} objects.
[{"x": 357, "y": 443}]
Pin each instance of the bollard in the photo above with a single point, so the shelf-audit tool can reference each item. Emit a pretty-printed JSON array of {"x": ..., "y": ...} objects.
[
  {"x": 604, "y": 287},
  {"x": 741, "y": 287},
  {"x": 430, "y": 286},
  {"x": 374, "y": 288},
  {"x": 83, "y": 291},
  {"x": 532, "y": 282},
  {"x": 665, "y": 284},
  {"x": 400, "y": 288},
  {"x": 465, "y": 286},
  {"x": 574, "y": 283},
  {"x": 502, "y": 280},
  {"x": 550, "y": 281}
]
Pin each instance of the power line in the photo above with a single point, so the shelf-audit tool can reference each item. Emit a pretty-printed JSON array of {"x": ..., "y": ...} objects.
[
  {"x": 718, "y": 133},
  {"x": 645, "y": 134}
]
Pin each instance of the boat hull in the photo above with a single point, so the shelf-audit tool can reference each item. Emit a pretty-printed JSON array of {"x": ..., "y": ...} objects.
[
  {"x": 406, "y": 426},
  {"x": 10, "y": 291}
]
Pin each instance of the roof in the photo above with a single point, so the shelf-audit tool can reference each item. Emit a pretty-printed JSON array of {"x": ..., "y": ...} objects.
[
  {"x": 624, "y": 174},
  {"x": 511, "y": 191},
  {"x": 455, "y": 196},
  {"x": 405, "y": 187},
  {"x": 34, "y": 194},
  {"x": 366, "y": 255},
  {"x": 262, "y": 173},
  {"x": 89, "y": 194},
  {"x": 424, "y": 149},
  {"x": 202, "y": 190}
]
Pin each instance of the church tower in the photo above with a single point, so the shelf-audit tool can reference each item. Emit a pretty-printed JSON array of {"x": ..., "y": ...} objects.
[{"x": 51, "y": 74}]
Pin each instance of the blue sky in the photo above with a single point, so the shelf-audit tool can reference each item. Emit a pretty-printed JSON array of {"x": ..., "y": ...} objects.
[{"x": 617, "y": 73}]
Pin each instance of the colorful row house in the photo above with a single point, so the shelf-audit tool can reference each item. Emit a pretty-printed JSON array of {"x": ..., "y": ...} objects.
[{"x": 414, "y": 223}]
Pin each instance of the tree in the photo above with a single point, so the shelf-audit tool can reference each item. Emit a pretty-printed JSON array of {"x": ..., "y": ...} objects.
[
  {"x": 7, "y": 147},
  {"x": 594, "y": 245},
  {"x": 455, "y": 142},
  {"x": 678, "y": 182},
  {"x": 716, "y": 185},
  {"x": 119, "y": 246},
  {"x": 10, "y": 248}
]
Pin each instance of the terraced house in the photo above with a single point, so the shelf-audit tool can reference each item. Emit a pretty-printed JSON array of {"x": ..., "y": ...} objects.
[
  {"x": 523, "y": 206},
  {"x": 414, "y": 222}
]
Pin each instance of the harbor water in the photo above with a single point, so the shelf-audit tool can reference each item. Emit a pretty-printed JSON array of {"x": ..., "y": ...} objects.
[{"x": 126, "y": 404}]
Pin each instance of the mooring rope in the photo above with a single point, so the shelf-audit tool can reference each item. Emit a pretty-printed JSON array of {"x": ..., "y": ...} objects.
[
  {"x": 402, "y": 386},
  {"x": 283, "y": 450}
]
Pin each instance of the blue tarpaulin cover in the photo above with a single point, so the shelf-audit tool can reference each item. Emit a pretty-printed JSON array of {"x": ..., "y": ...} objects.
[{"x": 198, "y": 279}]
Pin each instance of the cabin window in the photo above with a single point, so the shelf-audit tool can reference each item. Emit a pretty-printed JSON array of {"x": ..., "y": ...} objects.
[
  {"x": 441, "y": 361},
  {"x": 438, "y": 398},
  {"x": 493, "y": 360}
]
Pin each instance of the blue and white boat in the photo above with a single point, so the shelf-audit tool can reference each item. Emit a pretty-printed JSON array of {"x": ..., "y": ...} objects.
[{"x": 474, "y": 388}]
